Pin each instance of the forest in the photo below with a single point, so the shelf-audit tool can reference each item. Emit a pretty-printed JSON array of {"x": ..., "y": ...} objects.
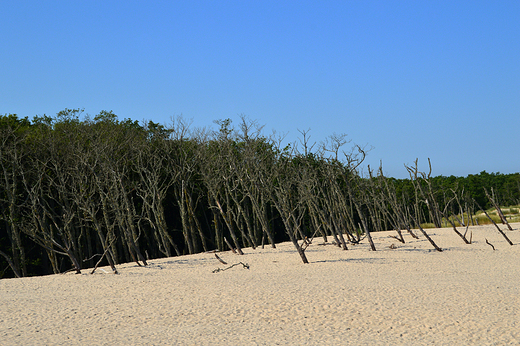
[{"x": 78, "y": 191}]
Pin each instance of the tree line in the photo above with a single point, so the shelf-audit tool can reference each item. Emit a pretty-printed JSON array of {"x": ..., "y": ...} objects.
[{"x": 79, "y": 191}]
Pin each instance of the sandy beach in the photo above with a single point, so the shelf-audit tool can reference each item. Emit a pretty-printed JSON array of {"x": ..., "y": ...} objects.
[{"x": 401, "y": 294}]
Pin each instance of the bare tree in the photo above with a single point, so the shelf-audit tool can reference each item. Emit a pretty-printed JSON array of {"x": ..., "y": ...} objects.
[
  {"x": 50, "y": 221},
  {"x": 12, "y": 156},
  {"x": 288, "y": 203},
  {"x": 117, "y": 188},
  {"x": 425, "y": 193},
  {"x": 493, "y": 200},
  {"x": 390, "y": 206},
  {"x": 153, "y": 159},
  {"x": 494, "y": 223},
  {"x": 217, "y": 174},
  {"x": 446, "y": 216},
  {"x": 87, "y": 195}
]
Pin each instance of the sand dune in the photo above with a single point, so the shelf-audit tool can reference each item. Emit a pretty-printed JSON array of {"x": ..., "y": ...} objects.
[{"x": 410, "y": 295}]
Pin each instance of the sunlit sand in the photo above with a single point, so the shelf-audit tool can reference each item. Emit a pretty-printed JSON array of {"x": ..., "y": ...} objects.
[{"x": 404, "y": 294}]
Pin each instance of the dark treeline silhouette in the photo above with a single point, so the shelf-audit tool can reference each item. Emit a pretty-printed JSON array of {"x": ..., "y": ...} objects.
[{"x": 77, "y": 192}]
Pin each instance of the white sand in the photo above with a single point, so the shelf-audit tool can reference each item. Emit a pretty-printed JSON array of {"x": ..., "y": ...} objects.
[{"x": 412, "y": 295}]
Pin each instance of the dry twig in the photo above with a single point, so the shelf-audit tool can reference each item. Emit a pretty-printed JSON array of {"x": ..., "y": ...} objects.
[
  {"x": 245, "y": 265},
  {"x": 220, "y": 259},
  {"x": 487, "y": 242}
]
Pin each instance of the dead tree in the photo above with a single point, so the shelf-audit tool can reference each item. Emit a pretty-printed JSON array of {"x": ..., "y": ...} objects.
[
  {"x": 398, "y": 213},
  {"x": 186, "y": 156},
  {"x": 344, "y": 189},
  {"x": 494, "y": 223},
  {"x": 51, "y": 217},
  {"x": 11, "y": 264},
  {"x": 87, "y": 197},
  {"x": 427, "y": 236},
  {"x": 493, "y": 200},
  {"x": 284, "y": 193},
  {"x": 215, "y": 174},
  {"x": 257, "y": 159},
  {"x": 423, "y": 194},
  {"x": 118, "y": 189},
  {"x": 362, "y": 216},
  {"x": 46, "y": 228},
  {"x": 12, "y": 156},
  {"x": 445, "y": 215},
  {"x": 318, "y": 187},
  {"x": 153, "y": 160}
]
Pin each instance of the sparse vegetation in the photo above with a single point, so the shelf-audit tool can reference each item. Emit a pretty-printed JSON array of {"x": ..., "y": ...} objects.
[{"x": 511, "y": 213}]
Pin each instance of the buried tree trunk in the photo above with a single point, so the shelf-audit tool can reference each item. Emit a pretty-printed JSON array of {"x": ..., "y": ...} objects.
[
  {"x": 443, "y": 213},
  {"x": 300, "y": 250},
  {"x": 292, "y": 236},
  {"x": 463, "y": 236},
  {"x": 365, "y": 228},
  {"x": 426, "y": 235},
  {"x": 291, "y": 230},
  {"x": 227, "y": 220},
  {"x": 498, "y": 228}
]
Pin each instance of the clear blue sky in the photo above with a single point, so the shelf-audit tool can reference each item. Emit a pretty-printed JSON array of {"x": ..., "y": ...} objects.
[{"x": 413, "y": 79}]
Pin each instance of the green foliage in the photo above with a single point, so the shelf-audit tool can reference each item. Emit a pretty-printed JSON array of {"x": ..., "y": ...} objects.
[
  {"x": 106, "y": 117},
  {"x": 482, "y": 219},
  {"x": 12, "y": 121}
]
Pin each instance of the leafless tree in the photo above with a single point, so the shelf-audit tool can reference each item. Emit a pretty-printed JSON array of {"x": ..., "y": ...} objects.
[
  {"x": 492, "y": 198},
  {"x": 153, "y": 160},
  {"x": 12, "y": 157},
  {"x": 217, "y": 175},
  {"x": 425, "y": 193},
  {"x": 52, "y": 216},
  {"x": 494, "y": 223}
]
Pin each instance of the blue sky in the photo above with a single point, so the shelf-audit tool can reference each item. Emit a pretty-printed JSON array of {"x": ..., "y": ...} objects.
[{"x": 412, "y": 79}]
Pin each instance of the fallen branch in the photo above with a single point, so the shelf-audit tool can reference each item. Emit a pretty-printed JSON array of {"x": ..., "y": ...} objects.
[
  {"x": 245, "y": 265},
  {"x": 490, "y": 244},
  {"x": 220, "y": 259}
]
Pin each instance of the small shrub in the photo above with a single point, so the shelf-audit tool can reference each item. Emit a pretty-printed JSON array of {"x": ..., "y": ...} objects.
[
  {"x": 483, "y": 219},
  {"x": 453, "y": 219},
  {"x": 427, "y": 225}
]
